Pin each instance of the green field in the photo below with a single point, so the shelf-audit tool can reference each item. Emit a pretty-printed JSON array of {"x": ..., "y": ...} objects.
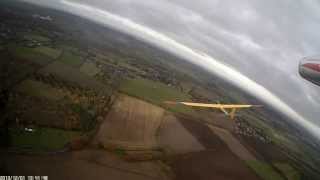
[
  {"x": 29, "y": 54},
  {"x": 38, "y": 89},
  {"x": 41, "y": 138},
  {"x": 264, "y": 170},
  {"x": 36, "y": 37},
  {"x": 288, "y": 171},
  {"x": 89, "y": 68},
  {"x": 73, "y": 75},
  {"x": 71, "y": 59},
  {"x": 156, "y": 93},
  {"x": 71, "y": 49},
  {"x": 50, "y": 52}
]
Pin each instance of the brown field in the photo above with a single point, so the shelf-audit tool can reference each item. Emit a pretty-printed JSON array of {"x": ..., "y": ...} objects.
[
  {"x": 234, "y": 145},
  {"x": 131, "y": 124},
  {"x": 216, "y": 162},
  {"x": 270, "y": 152},
  {"x": 211, "y": 164},
  {"x": 199, "y": 151},
  {"x": 175, "y": 139},
  {"x": 216, "y": 118}
]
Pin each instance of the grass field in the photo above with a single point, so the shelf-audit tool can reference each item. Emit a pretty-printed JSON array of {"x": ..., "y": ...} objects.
[
  {"x": 37, "y": 37},
  {"x": 38, "y": 89},
  {"x": 89, "y": 68},
  {"x": 288, "y": 171},
  {"x": 71, "y": 59},
  {"x": 42, "y": 138},
  {"x": 69, "y": 48},
  {"x": 73, "y": 75},
  {"x": 156, "y": 93},
  {"x": 264, "y": 170},
  {"x": 29, "y": 54},
  {"x": 50, "y": 52}
]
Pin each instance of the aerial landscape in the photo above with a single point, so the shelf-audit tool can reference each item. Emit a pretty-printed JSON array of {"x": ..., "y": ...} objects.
[{"x": 79, "y": 100}]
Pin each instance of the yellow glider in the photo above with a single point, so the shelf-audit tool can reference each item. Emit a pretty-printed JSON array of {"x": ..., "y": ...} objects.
[{"x": 222, "y": 107}]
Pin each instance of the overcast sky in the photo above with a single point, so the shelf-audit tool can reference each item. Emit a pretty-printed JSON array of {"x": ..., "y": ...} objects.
[{"x": 262, "y": 40}]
